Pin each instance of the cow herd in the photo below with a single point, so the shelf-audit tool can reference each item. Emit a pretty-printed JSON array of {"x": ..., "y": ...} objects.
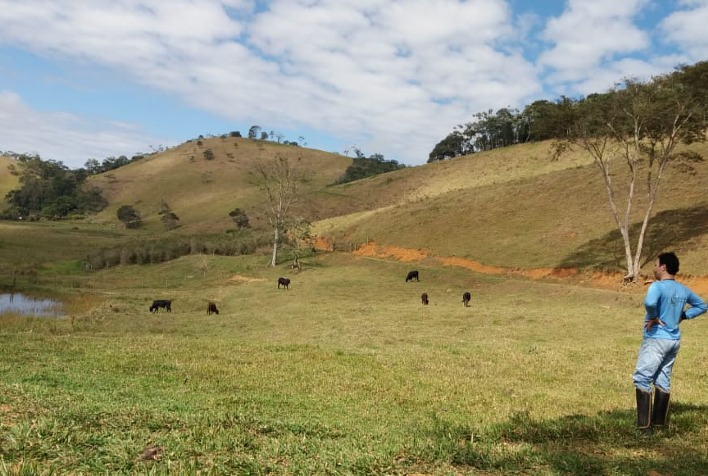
[
  {"x": 283, "y": 282},
  {"x": 415, "y": 275}
]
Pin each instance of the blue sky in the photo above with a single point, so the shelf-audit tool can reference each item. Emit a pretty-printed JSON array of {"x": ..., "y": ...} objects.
[{"x": 86, "y": 79}]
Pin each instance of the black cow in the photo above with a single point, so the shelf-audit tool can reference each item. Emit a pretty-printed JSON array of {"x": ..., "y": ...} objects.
[
  {"x": 285, "y": 282},
  {"x": 424, "y": 298},
  {"x": 166, "y": 304},
  {"x": 466, "y": 299},
  {"x": 412, "y": 275},
  {"x": 212, "y": 309}
]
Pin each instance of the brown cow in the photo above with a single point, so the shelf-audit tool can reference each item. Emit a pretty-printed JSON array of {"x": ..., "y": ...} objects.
[
  {"x": 424, "y": 298},
  {"x": 212, "y": 309},
  {"x": 466, "y": 299}
]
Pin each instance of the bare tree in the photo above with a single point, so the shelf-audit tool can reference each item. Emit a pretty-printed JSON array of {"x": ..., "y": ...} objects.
[
  {"x": 638, "y": 125},
  {"x": 280, "y": 179}
]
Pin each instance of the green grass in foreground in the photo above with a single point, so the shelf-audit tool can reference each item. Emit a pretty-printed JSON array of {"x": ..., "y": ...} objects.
[{"x": 345, "y": 373}]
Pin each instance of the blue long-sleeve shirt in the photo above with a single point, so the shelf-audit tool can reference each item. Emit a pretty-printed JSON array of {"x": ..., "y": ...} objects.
[{"x": 666, "y": 299}]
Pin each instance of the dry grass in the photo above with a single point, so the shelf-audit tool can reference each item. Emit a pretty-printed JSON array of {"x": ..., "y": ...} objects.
[
  {"x": 511, "y": 207},
  {"x": 202, "y": 192},
  {"x": 523, "y": 210}
]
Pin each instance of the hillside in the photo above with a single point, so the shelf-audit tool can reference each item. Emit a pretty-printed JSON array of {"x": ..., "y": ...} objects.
[
  {"x": 515, "y": 207},
  {"x": 512, "y": 207},
  {"x": 202, "y": 192},
  {"x": 7, "y": 180}
]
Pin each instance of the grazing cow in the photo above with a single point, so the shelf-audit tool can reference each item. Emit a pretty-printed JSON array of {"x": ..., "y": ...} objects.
[
  {"x": 466, "y": 299},
  {"x": 424, "y": 298},
  {"x": 166, "y": 304},
  {"x": 212, "y": 309},
  {"x": 285, "y": 282},
  {"x": 412, "y": 275}
]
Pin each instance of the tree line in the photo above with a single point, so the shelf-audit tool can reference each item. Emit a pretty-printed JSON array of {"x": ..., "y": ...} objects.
[
  {"x": 543, "y": 119},
  {"x": 94, "y": 167},
  {"x": 49, "y": 189},
  {"x": 363, "y": 166}
]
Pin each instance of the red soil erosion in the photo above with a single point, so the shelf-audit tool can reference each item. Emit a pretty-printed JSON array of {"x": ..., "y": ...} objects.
[{"x": 605, "y": 280}]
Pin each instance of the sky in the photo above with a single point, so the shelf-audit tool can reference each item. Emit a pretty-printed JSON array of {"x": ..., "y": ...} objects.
[{"x": 92, "y": 79}]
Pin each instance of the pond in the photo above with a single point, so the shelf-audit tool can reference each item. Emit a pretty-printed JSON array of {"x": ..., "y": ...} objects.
[{"x": 22, "y": 304}]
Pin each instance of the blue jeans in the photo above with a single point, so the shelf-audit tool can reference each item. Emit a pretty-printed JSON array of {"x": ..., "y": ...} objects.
[{"x": 654, "y": 364}]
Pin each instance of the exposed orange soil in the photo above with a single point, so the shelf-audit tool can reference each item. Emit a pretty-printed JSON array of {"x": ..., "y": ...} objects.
[
  {"x": 402, "y": 254},
  {"x": 606, "y": 280}
]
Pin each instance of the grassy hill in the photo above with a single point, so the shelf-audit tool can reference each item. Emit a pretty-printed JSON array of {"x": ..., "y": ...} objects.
[
  {"x": 516, "y": 207},
  {"x": 511, "y": 207},
  {"x": 203, "y": 191}
]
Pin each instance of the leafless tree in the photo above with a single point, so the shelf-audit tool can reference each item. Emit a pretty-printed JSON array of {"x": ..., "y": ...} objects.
[{"x": 280, "y": 179}]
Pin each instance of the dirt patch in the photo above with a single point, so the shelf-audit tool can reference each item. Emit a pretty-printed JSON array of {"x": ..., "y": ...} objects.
[
  {"x": 322, "y": 244},
  {"x": 244, "y": 279},
  {"x": 605, "y": 280},
  {"x": 472, "y": 265},
  {"x": 401, "y": 254}
]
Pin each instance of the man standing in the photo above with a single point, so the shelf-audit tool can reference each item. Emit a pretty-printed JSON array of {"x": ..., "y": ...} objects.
[{"x": 664, "y": 303}]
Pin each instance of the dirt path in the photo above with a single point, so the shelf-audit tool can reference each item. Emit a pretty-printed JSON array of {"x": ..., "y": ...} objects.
[{"x": 605, "y": 280}]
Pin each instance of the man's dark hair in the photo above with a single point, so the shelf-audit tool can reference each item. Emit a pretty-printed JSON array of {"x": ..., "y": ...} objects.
[{"x": 671, "y": 261}]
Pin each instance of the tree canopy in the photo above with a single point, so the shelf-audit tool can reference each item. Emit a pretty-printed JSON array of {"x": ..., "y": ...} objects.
[
  {"x": 363, "y": 167},
  {"x": 543, "y": 119}
]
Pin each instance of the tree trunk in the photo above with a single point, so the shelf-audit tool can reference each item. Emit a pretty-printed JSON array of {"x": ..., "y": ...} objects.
[{"x": 276, "y": 236}]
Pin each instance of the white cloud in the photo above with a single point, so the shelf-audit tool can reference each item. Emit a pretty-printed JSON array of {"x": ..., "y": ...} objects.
[
  {"x": 588, "y": 36},
  {"x": 366, "y": 70},
  {"x": 65, "y": 137},
  {"x": 687, "y": 28},
  {"x": 392, "y": 76}
]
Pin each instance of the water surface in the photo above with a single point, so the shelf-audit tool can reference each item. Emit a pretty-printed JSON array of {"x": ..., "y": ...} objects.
[{"x": 30, "y": 306}]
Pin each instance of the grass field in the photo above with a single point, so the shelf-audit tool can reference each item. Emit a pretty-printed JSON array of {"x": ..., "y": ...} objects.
[{"x": 344, "y": 373}]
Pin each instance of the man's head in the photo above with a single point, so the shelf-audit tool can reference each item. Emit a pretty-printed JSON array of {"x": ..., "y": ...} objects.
[{"x": 666, "y": 264}]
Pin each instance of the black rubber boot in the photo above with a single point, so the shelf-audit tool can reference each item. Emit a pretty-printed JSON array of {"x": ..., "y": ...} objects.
[
  {"x": 644, "y": 412},
  {"x": 660, "y": 415}
]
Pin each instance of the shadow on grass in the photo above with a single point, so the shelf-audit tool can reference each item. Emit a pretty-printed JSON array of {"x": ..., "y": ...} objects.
[
  {"x": 605, "y": 444},
  {"x": 666, "y": 230}
]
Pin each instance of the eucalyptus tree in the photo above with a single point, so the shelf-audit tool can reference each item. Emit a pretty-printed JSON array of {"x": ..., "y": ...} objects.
[
  {"x": 548, "y": 120},
  {"x": 451, "y": 146},
  {"x": 636, "y": 126}
]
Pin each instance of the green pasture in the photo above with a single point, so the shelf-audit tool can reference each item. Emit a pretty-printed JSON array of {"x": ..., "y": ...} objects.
[{"x": 344, "y": 373}]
